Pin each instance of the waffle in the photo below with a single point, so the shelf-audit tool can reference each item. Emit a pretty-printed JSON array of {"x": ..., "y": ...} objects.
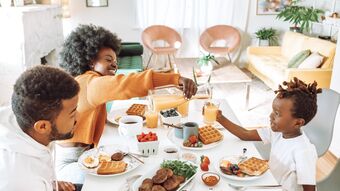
[
  {"x": 254, "y": 166},
  {"x": 136, "y": 109},
  {"x": 111, "y": 167},
  {"x": 209, "y": 134}
]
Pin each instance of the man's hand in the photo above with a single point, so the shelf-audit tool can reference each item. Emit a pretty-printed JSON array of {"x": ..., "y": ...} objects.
[
  {"x": 65, "y": 186},
  {"x": 189, "y": 87}
]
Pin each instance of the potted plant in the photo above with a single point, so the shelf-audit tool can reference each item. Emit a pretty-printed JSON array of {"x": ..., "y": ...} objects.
[
  {"x": 300, "y": 16},
  {"x": 267, "y": 37},
  {"x": 205, "y": 64}
]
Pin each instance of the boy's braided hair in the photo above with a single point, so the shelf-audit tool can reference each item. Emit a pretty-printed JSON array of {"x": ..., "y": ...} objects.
[{"x": 304, "y": 98}]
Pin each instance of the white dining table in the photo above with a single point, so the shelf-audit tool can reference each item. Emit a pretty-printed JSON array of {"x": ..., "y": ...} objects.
[{"x": 230, "y": 146}]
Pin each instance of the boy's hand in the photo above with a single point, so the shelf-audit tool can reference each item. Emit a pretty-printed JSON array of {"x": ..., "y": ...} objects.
[
  {"x": 189, "y": 86},
  {"x": 65, "y": 186},
  {"x": 219, "y": 115}
]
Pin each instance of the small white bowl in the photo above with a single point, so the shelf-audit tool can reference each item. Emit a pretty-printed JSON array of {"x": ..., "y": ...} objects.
[
  {"x": 174, "y": 120},
  {"x": 188, "y": 156}
]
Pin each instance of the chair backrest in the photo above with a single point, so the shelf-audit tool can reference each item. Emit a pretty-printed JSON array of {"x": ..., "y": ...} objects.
[
  {"x": 220, "y": 32},
  {"x": 320, "y": 129},
  {"x": 160, "y": 32},
  {"x": 330, "y": 182}
]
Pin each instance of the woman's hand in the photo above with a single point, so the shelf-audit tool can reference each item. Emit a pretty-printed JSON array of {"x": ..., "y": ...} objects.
[{"x": 189, "y": 87}]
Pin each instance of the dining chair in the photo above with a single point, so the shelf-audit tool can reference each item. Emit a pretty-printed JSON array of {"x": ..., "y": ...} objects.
[
  {"x": 331, "y": 181},
  {"x": 320, "y": 129},
  {"x": 229, "y": 35},
  {"x": 171, "y": 38}
]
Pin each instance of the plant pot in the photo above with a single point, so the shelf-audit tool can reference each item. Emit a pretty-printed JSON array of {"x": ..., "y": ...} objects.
[
  {"x": 295, "y": 29},
  {"x": 263, "y": 42}
]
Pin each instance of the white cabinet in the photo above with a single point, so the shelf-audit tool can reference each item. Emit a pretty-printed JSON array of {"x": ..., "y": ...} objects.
[{"x": 27, "y": 34}]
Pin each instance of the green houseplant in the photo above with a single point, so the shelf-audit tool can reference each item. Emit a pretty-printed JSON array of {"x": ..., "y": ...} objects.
[
  {"x": 205, "y": 64},
  {"x": 300, "y": 16},
  {"x": 267, "y": 34}
]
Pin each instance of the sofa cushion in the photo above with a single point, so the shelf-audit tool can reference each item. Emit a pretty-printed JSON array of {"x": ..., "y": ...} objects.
[
  {"x": 270, "y": 65},
  {"x": 324, "y": 47},
  {"x": 313, "y": 61},
  {"x": 292, "y": 43},
  {"x": 296, "y": 60}
]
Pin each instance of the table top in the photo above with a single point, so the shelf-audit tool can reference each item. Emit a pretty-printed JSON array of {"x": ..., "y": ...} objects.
[
  {"x": 231, "y": 145},
  {"x": 224, "y": 73}
]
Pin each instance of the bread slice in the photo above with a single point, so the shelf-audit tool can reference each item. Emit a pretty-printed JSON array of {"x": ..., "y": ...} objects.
[
  {"x": 111, "y": 167},
  {"x": 254, "y": 166}
]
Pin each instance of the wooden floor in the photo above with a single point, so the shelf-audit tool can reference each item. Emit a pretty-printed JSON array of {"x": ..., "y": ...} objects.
[{"x": 325, "y": 165}]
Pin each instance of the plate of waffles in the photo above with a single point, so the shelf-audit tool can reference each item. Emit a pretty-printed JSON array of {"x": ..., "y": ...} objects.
[
  {"x": 239, "y": 169},
  {"x": 109, "y": 160},
  {"x": 135, "y": 109},
  {"x": 208, "y": 137}
]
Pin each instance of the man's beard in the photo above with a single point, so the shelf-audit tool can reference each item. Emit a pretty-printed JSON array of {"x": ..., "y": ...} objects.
[{"x": 55, "y": 135}]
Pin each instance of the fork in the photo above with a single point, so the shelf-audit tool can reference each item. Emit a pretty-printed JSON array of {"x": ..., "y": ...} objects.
[{"x": 242, "y": 188}]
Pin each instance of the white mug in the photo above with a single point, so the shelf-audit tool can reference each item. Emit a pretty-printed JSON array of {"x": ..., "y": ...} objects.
[{"x": 130, "y": 125}]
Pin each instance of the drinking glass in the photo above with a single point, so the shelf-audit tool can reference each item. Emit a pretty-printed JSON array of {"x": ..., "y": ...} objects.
[{"x": 210, "y": 112}]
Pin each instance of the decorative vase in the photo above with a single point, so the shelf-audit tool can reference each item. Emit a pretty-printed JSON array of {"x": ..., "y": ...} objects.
[{"x": 206, "y": 69}]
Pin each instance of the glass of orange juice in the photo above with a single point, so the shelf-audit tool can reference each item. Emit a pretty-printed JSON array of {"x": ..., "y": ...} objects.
[
  {"x": 183, "y": 109},
  {"x": 151, "y": 118},
  {"x": 210, "y": 112}
]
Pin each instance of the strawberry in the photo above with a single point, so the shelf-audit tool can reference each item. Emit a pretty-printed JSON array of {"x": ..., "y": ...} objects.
[
  {"x": 205, "y": 159},
  {"x": 204, "y": 166},
  {"x": 193, "y": 139}
]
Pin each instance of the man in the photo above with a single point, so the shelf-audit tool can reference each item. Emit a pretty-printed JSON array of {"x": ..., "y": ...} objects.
[{"x": 44, "y": 104}]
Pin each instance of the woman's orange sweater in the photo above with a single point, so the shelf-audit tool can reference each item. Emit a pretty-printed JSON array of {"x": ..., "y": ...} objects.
[{"x": 96, "y": 90}]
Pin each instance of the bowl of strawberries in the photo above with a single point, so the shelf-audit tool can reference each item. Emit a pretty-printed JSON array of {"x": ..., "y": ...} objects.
[{"x": 147, "y": 143}]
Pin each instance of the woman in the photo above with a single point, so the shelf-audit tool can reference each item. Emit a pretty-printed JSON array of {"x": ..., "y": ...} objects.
[{"x": 90, "y": 55}]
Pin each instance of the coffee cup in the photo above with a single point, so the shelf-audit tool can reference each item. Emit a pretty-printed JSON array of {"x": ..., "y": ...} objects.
[
  {"x": 190, "y": 128},
  {"x": 130, "y": 125}
]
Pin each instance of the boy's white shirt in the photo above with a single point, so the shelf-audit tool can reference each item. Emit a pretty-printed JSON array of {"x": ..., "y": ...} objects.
[
  {"x": 292, "y": 161},
  {"x": 24, "y": 163}
]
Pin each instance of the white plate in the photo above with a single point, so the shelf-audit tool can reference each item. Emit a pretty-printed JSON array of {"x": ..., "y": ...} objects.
[
  {"x": 132, "y": 163},
  {"x": 179, "y": 142},
  {"x": 116, "y": 114},
  {"x": 234, "y": 160},
  {"x": 152, "y": 172}
]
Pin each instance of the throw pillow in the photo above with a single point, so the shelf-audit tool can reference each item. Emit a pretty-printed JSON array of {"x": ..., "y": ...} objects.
[
  {"x": 313, "y": 61},
  {"x": 298, "y": 58}
]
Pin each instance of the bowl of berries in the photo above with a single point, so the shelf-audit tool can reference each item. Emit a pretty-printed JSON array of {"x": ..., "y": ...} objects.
[
  {"x": 147, "y": 143},
  {"x": 170, "y": 116}
]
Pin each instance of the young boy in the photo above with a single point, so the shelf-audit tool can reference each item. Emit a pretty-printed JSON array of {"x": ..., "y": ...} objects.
[
  {"x": 90, "y": 55},
  {"x": 292, "y": 158}
]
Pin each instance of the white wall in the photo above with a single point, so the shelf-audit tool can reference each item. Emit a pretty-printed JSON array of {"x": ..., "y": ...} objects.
[
  {"x": 335, "y": 85},
  {"x": 118, "y": 17}
]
